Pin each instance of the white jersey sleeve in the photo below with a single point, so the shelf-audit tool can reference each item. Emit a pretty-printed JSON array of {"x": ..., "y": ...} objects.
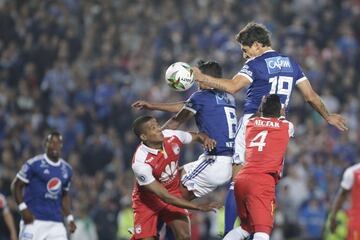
[
  {"x": 143, "y": 173},
  {"x": 184, "y": 137}
]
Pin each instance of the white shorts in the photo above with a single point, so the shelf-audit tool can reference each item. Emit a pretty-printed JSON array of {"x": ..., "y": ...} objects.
[
  {"x": 42, "y": 230},
  {"x": 239, "y": 143},
  {"x": 206, "y": 174}
]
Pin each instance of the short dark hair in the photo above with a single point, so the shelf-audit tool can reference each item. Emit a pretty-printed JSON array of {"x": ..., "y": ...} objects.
[
  {"x": 53, "y": 133},
  {"x": 138, "y": 124},
  {"x": 271, "y": 107},
  {"x": 210, "y": 68},
  {"x": 254, "y": 32}
]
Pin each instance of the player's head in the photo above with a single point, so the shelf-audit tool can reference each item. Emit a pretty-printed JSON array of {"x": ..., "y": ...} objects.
[
  {"x": 253, "y": 38},
  {"x": 271, "y": 106},
  {"x": 53, "y": 145},
  {"x": 147, "y": 129},
  {"x": 210, "y": 68}
]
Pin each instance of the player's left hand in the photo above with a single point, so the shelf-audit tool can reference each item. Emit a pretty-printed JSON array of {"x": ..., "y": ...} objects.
[
  {"x": 337, "y": 121},
  {"x": 198, "y": 75},
  {"x": 72, "y": 226},
  {"x": 208, "y": 143}
]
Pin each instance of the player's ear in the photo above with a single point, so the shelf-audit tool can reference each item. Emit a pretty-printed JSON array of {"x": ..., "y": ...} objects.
[{"x": 143, "y": 137}]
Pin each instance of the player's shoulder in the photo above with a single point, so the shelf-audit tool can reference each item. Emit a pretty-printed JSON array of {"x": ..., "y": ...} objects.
[
  {"x": 35, "y": 160},
  {"x": 200, "y": 94},
  {"x": 66, "y": 164},
  {"x": 352, "y": 169},
  {"x": 140, "y": 154}
]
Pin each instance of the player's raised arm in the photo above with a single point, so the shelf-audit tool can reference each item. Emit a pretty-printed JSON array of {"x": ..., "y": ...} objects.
[
  {"x": 232, "y": 86},
  {"x": 164, "y": 195},
  {"x": 315, "y": 101},
  {"x": 182, "y": 116},
  {"x": 165, "y": 107},
  {"x": 204, "y": 139}
]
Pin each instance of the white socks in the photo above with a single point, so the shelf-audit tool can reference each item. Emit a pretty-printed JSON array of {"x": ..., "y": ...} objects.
[
  {"x": 261, "y": 236},
  {"x": 236, "y": 234}
]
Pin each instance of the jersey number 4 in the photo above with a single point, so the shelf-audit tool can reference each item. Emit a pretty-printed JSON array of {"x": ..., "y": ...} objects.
[{"x": 259, "y": 140}]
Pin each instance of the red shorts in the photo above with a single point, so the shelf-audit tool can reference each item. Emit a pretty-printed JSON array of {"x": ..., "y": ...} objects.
[
  {"x": 255, "y": 201},
  {"x": 146, "y": 220}
]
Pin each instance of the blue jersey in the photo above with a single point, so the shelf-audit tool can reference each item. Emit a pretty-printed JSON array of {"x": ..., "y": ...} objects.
[
  {"x": 46, "y": 182},
  {"x": 270, "y": 73},
  {"x": 215, "y": 115}
]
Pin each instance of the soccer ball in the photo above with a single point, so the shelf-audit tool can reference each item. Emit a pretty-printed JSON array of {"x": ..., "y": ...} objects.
[{"x": 179, "y": 76}]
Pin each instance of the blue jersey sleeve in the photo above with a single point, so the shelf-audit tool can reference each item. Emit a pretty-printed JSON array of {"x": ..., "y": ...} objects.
[
  {"x": 247, "y": 71},
  {"x": 26, "y": 172},
  {"x": 193, "y": 104},
  {"x": 299, "y": 75},
  {"x": 67, "y": 184}
]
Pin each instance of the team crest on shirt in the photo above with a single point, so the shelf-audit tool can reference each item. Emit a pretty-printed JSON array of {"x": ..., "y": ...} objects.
[
  {"x": 175, "y": 148},
  {"x": 169, "y": 173},
  {"x": 53, "y": 187}
]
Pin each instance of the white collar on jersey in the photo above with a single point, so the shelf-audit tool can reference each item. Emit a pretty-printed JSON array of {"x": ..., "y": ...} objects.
[
  {"x": 55, "y": 164},
  {"x": 149, "y": 149}
]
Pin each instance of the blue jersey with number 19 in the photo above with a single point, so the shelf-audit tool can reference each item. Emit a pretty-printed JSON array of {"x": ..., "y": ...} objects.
[
  {"x": 270, "y": 73},
  {"x": 215, "y": 115}
]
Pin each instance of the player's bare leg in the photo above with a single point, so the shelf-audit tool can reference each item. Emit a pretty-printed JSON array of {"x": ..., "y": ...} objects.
[{"x": 181, "y": 228}]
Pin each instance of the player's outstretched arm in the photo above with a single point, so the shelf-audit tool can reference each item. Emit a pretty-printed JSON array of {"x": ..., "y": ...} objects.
[
  {"x": 232, "y": 86},
  {"x": 204, "y": 139},
  {"x": 17, "y": 187},
  {"x": 66, "y": 205},
  {"x": 315, "y": 101},
  {"x": 338, "y": 202},
  {"x": 164, "y": 195},
  {"x": 182, "y": 116},
  {"x": 165, "y": 107}
]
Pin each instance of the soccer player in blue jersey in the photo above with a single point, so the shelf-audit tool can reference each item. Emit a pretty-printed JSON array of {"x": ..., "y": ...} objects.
[
  {"x": 214, "y": 113},
  {"x": 265, "y": 72},
  {"x": 41, "y": 191}
]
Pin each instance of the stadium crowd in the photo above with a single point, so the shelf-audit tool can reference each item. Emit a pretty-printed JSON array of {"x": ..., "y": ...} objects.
[{"x": 77, "y": 65}]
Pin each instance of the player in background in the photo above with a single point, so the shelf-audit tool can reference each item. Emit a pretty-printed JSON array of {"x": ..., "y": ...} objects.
[
  {"x": 215, "y": 115},
  {"x": 41, "y": 189},
  {"x": 157, "y": 194},
  {"x": 8, "y": 218},
  {"x": 266, "y": 140},
  {"x": 350, "y": 185},
  {"x": 265, "y": 72}
]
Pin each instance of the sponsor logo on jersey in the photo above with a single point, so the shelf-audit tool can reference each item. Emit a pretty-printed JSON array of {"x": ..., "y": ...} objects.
[
  {"x": 46, "y": 171},
  {"x": 278, "y": 64},
  {"x": 169, "y": 173},
  {"x": 53, "y": 187}
]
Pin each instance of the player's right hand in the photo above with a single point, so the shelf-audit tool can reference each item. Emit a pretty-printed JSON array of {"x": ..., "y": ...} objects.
[
  {"x": 337, "y": 121},
  {"x": 27, "y": 216},
  {"x": 141, "y": 105},
  {"x": 213, "y": 206}
]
